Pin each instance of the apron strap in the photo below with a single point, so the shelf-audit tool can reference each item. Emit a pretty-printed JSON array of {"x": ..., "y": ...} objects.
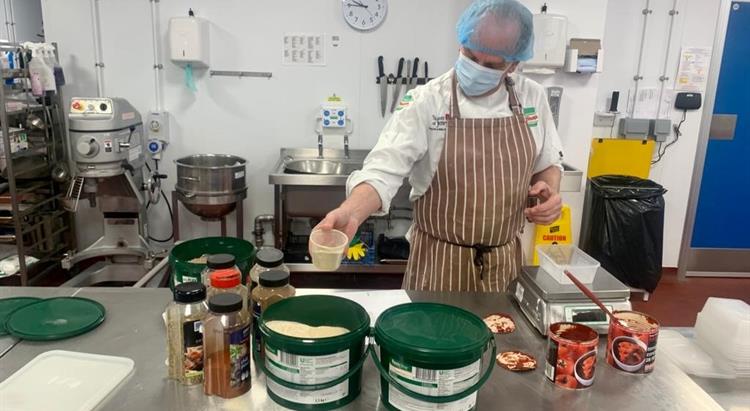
[
  {"x": 454, "y": 112},
  {"x": 513, "y": 102}
]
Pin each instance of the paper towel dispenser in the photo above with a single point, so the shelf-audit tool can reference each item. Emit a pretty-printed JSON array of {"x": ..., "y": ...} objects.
[{"x": 188, "y": 41}]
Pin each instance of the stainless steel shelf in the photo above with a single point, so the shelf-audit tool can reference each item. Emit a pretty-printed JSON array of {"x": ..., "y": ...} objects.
[{"x": 351, "y": 268}]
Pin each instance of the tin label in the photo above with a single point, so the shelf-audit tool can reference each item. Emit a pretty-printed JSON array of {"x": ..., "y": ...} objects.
[
  {"x": 433, "y": 383},
  {"x": 239, "y": 174},
  {"x": 631, "y": 351},
  {"x": 192, "y": 350},
  {"x": 239, "y": 357},
  {"x": 570, "y": 365}
]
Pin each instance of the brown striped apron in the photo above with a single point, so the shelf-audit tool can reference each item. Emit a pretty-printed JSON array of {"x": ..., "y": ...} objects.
[{"x": 467, "y": 224}]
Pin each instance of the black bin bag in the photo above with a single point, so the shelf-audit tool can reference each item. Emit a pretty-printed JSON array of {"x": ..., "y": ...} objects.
[{"x": 623, "y": 228}]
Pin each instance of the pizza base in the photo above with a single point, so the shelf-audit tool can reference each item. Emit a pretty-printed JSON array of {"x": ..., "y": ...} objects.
[
  {"x": 500, "y": 323},
  {"x": 516, "y": 361}
]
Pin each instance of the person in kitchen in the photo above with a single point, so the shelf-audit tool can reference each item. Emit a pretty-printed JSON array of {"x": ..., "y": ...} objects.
[{"x": 475, "y": 144}]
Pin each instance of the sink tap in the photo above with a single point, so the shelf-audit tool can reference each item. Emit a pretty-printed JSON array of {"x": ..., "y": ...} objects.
[
  {"x": 346, "y": 146},
  {"x": 320, "y": 146}
]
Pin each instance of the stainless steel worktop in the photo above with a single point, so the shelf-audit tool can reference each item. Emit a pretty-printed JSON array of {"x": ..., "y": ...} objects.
[{"x": 134, "y": 329}]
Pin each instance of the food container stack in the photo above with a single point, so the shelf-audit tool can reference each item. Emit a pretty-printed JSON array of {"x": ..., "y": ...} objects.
[
  {"x": 555, "y": 259},
  {"x": 723, "y": 329}
]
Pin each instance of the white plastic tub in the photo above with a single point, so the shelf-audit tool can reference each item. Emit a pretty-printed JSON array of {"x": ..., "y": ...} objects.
[{"x": 555, "y": 259}]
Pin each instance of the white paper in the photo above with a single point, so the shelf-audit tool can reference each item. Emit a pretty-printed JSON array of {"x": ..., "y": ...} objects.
[
  {"x": 692, "y": 73},
  {"x": 303, "y": 49},
  {"x": 647, "y": 103},
  {"x": 374, "y": 302}
]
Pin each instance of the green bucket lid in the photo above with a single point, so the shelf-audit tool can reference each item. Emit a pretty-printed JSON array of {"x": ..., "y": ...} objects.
[
  {"x": 55, "y": 319},
  {"x": 433, "y": 333},
  {"x": 8, "y": 305}
]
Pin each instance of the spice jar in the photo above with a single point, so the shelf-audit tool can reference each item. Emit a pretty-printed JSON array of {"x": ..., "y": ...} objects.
[
  {"x": 226, "y": 344},
  {"x": 218, "y": 262},
  {"x": 273, "y": 287},
  {"x": 184, "y": 318},
  {"x": 266, "y": 259},
  {"x": 228, "y": 281}
]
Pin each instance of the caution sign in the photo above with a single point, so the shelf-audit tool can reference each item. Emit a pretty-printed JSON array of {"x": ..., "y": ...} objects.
[{"x": 559, "y": 232}]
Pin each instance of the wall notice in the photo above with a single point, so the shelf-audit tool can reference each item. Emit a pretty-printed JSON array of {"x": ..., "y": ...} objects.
[
  {"x": 303, "y": 49},
  {"x": 693, "y": 71}
]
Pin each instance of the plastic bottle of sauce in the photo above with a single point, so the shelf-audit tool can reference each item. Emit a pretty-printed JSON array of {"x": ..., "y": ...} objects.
[
  {"x": 217, "y": 262},
  {"x": 228, "y": 280},
  {"x": 273, "y": 287},
  {"x": 266, "y": 259},
  {"x": 226, "y": 344},
  {"x": 184, "y": 333}
]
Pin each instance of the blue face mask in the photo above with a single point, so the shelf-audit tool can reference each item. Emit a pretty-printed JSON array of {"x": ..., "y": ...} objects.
[{"x": 474, "y": 78}]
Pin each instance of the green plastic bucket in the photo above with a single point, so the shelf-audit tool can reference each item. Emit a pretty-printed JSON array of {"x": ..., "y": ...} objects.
[
  {"x": 431, "y": 354},
  {"x": 315, "y": 374},
  {"x": 184, "y": 271}
]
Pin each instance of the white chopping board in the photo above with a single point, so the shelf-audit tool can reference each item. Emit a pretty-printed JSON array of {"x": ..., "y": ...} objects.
[{"x": 64, "y": 381}]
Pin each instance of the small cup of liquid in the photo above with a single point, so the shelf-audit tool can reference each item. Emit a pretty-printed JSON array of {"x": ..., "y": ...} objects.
[{"x": 327, "y": 249}]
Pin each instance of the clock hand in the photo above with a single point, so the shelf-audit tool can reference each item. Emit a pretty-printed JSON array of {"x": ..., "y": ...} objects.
[{"x": 359, "y": 4}]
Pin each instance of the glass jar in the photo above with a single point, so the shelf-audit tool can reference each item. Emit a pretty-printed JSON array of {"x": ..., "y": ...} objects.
[
  {"x": 273, "y": 287},
  {"x": 226, "y": 344},
  {"x": 217, "y": 262},
  {"x": 184, "y": 317},
  {"x": 228, "y": 280},
  {"x": 266, "y": 259}
]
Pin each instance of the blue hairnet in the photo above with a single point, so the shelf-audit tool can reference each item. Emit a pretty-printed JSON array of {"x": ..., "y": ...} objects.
[{"x": 482, "y": 27}]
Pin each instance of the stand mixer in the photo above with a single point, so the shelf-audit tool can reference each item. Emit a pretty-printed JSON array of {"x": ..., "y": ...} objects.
[{"x": 107, "y": 149}]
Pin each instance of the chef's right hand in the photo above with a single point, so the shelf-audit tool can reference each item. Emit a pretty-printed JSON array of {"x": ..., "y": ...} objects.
[{"x": 342, "y": 220}]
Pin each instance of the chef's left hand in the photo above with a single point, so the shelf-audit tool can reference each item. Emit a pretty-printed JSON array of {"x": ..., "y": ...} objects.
[{"x": 549, "y": 208}]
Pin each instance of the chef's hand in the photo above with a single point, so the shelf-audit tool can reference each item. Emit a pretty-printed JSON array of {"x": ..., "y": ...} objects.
[
  {"x": 549, "y": 208},
  {"x": 340, "y": 219}
]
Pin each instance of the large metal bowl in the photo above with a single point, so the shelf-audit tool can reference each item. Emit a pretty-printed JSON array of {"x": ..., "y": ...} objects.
[{"x": 209, "y": 185}]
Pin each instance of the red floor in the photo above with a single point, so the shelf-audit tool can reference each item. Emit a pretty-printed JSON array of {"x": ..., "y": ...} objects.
[{"x": 676, "y": 303}]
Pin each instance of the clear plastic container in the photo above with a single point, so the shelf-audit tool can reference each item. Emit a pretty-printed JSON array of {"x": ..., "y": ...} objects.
[
  {"x": 327, "y": 249},
  {"x": 184, "y": 317},
  {"x": 273, "y": 287},
  {"x": 226, "y": 344},
  {"x": 216, "y": 262},
  {"x": 556, "y": 258},
  {"x": 266, "y": 259}
]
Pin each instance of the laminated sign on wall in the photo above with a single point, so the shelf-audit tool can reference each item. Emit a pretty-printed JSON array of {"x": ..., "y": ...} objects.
[
  {"x": 693, "y": 71},
  {"x": 303, "y": 49}
]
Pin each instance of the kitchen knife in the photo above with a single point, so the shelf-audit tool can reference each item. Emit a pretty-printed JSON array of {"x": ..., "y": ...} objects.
[
  {"x": 413, "y": 75},
  {"x": 426, "y": 77},
  {"x": 383, "y": 81},
  {"x": 398, "y": 82}
]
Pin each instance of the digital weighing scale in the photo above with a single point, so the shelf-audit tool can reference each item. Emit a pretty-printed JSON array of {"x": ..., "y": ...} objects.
[{"x": 545, "y": 301}]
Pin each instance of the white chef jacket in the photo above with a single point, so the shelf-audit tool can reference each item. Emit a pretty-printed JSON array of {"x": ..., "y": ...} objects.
[{"x": 412, "y": 140}]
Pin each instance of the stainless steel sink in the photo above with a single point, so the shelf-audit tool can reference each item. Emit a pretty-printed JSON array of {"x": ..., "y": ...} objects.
[
  {"x": 303, "y": 167},
  {"x": 320, "y": 167}
]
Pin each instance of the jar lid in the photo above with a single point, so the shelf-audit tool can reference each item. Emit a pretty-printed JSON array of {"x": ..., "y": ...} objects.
[
  {"x": 269, "y": 257},
  {"x": 225, "y": 303},
  {"x": 220, "y": 261},
  {"x": 189, "y": 292},
  {"x": 274, "y": 278},
  {"x": 225, "y": 279}
]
